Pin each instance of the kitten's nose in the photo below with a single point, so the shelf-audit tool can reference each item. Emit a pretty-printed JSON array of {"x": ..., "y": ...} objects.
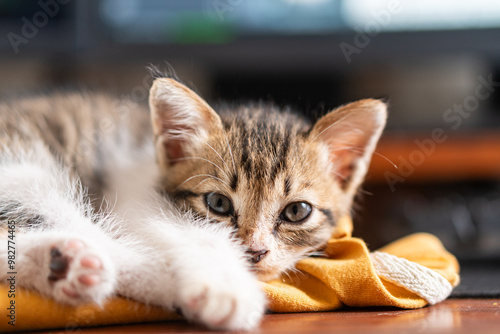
[{"x": 257, "y": 256}]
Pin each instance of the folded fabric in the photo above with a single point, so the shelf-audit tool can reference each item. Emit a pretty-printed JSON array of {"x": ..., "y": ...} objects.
[{"x": 410, "y": 273}]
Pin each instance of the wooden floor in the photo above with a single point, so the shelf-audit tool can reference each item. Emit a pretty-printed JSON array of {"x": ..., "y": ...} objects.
[{"x": 476, "y": 316}]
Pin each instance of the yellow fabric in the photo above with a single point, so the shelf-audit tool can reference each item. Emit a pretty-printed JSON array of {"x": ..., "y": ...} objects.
[{"x": 346, "y": 277}]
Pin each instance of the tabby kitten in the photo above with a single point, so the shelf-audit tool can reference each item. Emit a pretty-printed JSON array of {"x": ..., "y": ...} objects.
[{"x": 199, "y": 204}]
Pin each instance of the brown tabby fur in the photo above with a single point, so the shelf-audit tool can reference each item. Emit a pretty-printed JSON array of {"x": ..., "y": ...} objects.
[
  {"x": 256, "y": 155},
  {"x": 83, "y": 130}
]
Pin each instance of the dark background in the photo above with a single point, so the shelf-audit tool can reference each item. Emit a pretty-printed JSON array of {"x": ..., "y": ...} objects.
[{"x": 424, "y": 56}]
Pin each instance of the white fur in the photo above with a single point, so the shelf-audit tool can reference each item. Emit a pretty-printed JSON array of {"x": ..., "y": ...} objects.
[
  {"x": 34, "y": 183},
  {"x": 150, "y": 252},
  {"x": 33, "y": 258},
  {"x": 190, "y": 264}
]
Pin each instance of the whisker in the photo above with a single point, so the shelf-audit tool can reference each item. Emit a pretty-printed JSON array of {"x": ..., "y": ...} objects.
[
  {"x": 213, "y": 149},
  {"x": 199, "y": 175},
  {"x": 287, "y": 273},
  {"x": 318, "y": 135},
  {"x": 199, "y": 158},
  {"x": 329, "y": 126},
  {"x": 297, "y": 272},
  {"x": 207, "y": 220},
  {"x": 220, "y": 157},
  {"x": 386, "y": 159},
  {"x": 317, "y": 253},
  {"x": 315, "y": 158},
  {"x": 199, "y": 184},
  {"x": 353, "y": 148},
  {"x": 230, "y": 152},
  {"x": 365, "y": 192}
]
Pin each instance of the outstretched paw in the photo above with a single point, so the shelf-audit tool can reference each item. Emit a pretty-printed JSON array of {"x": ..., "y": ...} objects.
[
  {"x": 232, "y": 301},
  {"x": 78, "y": 273}
]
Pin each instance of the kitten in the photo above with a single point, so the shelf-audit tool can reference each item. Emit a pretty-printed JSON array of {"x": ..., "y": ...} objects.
[{"x": 199, "y": 204}]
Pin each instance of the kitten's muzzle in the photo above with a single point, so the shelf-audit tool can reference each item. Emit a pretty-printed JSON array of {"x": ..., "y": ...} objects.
[{"x": 256, "y": 256}]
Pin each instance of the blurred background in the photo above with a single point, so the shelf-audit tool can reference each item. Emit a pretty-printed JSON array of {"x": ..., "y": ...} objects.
[{"x": 437, "y": 62}]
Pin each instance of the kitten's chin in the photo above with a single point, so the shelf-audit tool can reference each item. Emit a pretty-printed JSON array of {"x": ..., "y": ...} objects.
[{"x": 265, "y": 275}]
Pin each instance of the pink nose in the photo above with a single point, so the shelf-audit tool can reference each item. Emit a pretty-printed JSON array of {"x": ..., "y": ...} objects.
[{"x": 257, "y": 256}]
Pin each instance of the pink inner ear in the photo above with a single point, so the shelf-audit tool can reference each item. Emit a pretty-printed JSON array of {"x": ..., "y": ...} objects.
[
  {"x": 174, "y": 151},
  {"x": 174, "y": 146},
  {"x": 345, "y": 161}
]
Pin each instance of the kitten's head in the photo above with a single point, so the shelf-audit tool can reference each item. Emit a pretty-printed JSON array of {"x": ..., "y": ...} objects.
[{"x": 282, "y": 184}]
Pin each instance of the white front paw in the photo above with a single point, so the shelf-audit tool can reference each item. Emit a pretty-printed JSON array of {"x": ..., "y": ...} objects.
[
  {"x": 229, "y": 301},
  {"x": 66, "y": 267},
  {"x": 79, "y": 273}
]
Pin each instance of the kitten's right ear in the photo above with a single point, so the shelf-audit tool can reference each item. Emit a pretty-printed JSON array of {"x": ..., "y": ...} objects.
[{"x": 181, "y": 120}]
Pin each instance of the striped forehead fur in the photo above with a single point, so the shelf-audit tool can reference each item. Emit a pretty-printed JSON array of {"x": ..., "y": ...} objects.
[{"x": 262, "y": 136}]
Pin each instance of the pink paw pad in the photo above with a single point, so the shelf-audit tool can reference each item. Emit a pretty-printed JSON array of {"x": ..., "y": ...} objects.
[
  {"x": 91, "y": 262},
  {"x": 70, "y": 293},
  {"x": 196, "y": 302},
  {"x": 89, "y": 279},
  {"x": 61, "y": 261},
  {"x": 75, "y": 245}
]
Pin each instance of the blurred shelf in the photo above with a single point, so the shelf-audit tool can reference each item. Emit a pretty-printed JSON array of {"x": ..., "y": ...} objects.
[{"x": 471, "y": 156}]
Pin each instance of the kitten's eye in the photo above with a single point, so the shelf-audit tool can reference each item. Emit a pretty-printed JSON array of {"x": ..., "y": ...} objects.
[
  {"x": 220, "y": 204},
  {"x": 296, "y": 212}
]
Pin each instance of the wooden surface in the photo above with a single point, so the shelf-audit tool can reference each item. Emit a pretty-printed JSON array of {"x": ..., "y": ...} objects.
[{"x": 476, "y": 316}]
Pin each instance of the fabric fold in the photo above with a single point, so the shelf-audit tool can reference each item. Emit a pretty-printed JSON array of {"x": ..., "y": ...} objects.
[{"x": 412, "y": 272}]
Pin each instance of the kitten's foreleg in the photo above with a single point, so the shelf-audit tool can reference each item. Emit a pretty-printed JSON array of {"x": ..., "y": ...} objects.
[
  {"x": 193, "y": 266},
  {"x": 64, "y": 266},
  {"x": 55, "y": 248}
]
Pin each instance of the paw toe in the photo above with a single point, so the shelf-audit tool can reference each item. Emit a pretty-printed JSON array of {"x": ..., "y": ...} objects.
[
  {"x": 74, "y": 245},
  {"x": 79, "y": 272},
  {"x": 70, "y": 293},
  {"x": 91, "y": 262},
  {"x": 89, "y": 280},
  {"x": 197, "y": 302}
]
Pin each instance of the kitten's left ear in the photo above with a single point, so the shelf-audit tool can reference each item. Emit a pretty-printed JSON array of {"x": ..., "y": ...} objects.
[
  {"x": 351, "y": 133},
  {"x": 182, "y": 120}
]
